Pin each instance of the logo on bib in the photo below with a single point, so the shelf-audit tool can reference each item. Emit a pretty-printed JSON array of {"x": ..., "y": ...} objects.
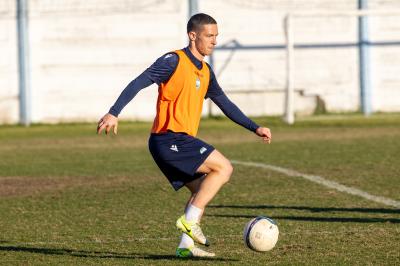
[{"x": 197, "y": 83}]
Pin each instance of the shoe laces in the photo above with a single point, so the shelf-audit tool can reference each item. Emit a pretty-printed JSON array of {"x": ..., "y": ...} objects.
[{"x": 197, "y": 229}]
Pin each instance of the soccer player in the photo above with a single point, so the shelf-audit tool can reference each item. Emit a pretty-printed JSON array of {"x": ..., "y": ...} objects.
[{"x": 184, "y": 80}]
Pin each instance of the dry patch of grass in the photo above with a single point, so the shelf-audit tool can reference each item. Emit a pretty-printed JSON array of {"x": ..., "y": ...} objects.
[
  {"x": 28, "y": 186},
  {"x": 69, "y": 143}
]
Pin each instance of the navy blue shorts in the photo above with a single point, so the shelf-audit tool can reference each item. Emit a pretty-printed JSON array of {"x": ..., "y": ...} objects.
[{"x": 179, "y": 155}]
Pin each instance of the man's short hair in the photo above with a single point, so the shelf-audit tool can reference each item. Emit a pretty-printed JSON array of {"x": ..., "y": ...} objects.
[{"x": 197, "y": 21}]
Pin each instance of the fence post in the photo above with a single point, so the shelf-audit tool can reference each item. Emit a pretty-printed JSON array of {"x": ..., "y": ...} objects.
[
  {"x": 364, "y": 61},
  {"x": 193, "y": 7},
  {"x": 23, "y": 64},
  {"x": 289, "y": 109}
]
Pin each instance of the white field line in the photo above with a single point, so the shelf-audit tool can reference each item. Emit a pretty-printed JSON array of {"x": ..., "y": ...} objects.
[{"x": 325, "y": 182}]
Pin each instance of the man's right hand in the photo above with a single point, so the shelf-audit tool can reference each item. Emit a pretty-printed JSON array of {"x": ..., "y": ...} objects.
[
  {"x": 108, "y": 122},
  {"x": 265, "y": 133}
]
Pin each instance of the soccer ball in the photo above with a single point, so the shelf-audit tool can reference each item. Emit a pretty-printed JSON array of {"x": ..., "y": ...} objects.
[{"x": 261, "y": 234}]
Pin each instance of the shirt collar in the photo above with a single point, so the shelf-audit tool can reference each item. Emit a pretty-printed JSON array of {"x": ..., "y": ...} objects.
[{"x": 195, "y": 61}]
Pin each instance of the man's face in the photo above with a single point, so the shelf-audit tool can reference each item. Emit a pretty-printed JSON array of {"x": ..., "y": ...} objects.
[{"x": 206, "y": 39}]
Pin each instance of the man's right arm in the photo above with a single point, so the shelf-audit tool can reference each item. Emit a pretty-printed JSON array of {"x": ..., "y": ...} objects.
[
  {"x": 158, "y": 72},
  {"x": 139, "y": 83}
]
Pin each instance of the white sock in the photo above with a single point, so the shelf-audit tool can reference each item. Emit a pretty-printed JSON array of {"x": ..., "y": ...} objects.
[
  {"x": 186, "y": 241},
  {"x": 193, "y": 213}
]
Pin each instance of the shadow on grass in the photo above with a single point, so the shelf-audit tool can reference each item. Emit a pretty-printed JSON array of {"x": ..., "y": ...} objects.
[
  {"x": 316, "y": 219},
  {"x": 311, "y": 209},
  {"x": 100, "y": 254}
]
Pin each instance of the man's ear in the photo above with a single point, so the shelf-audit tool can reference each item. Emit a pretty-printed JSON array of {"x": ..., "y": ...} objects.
[{"x": 192, "y": 35}]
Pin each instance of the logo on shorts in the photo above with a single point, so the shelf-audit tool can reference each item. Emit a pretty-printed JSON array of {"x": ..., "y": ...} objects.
[
  {"x": 174, "y": 148},
  {"x": 203, "y": 150}
]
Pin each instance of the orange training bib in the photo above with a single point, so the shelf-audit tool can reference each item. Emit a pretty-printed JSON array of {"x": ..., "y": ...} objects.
[{"x": 180, "y": 99}]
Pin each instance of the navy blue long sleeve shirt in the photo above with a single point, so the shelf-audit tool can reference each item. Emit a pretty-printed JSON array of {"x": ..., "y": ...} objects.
[{"x": 161, "y": 71}]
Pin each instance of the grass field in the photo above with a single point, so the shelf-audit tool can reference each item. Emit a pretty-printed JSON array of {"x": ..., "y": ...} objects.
[{"x": 70, "y": 197}]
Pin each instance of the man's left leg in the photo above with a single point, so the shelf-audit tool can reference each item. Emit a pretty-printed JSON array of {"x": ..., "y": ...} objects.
[
  {"x": 218, "y": 170},
  {"x": 186, "y": 247}
]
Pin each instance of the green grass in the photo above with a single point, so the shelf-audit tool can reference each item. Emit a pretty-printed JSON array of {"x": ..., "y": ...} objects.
[{"x": 70, "y": 197}]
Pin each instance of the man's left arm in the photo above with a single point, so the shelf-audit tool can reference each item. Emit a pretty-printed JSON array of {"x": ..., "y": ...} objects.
[
  {"x": 236, "y": 115},
  {"x": 217, "y": 95}
]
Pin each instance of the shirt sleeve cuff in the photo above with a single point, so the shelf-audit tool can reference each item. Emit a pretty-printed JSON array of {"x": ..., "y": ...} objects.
[{"x": 113, "y": 112}]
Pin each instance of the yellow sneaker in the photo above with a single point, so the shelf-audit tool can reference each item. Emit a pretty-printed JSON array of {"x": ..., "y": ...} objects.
[{"x": 193, "y": 230}]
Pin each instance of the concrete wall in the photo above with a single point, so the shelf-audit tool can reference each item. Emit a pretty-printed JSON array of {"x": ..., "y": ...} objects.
[
  {"x": 385, "y": 59},
  {"x": 330, "y": 72},
  {"x": 83, "y": 53},
  {"x": 83, "y": 59},
  {"x": 8, "y": 63}
]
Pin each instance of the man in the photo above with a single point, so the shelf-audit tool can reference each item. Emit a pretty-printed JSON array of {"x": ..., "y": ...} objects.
[{"x": 184, "y": 81}]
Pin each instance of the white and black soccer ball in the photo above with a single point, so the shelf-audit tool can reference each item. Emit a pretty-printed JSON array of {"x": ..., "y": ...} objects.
[{"x": 261, "y": 234}]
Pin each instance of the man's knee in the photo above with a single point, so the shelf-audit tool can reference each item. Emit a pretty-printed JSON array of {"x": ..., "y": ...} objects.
[
  {"x": 218, "y": 164},
  {"x": 226, "y": 171}
]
